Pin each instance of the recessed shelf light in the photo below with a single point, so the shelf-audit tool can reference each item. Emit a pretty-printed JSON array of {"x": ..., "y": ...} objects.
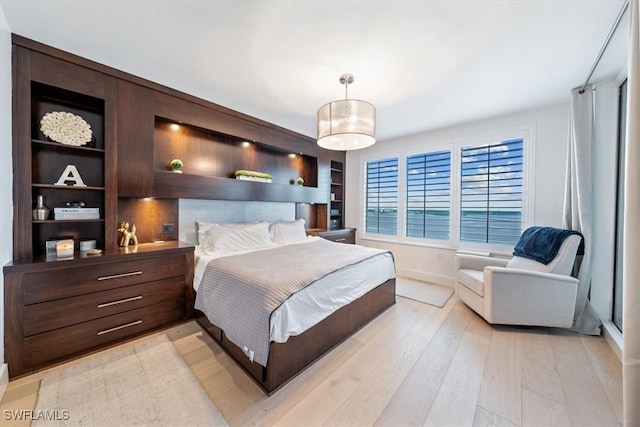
[
  {"x": 245, "y": 144},
  {"x": 174, "y": 126}
]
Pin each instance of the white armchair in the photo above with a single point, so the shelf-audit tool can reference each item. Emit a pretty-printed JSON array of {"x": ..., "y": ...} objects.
[{"x": 520, "y": 291}]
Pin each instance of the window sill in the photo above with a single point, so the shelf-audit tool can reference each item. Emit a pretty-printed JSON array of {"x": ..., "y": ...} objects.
[
  {"x": 489, "y": 250},
  {"x": 407, "y": 242}
]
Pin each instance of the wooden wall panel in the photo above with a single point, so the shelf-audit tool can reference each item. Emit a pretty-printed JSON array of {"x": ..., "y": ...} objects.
[
  {"x": 149, "y": 215},
  {"x": 135, "y": 140}
]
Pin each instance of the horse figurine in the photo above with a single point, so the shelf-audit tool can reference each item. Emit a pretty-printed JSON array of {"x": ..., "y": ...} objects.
[{"x": 127, "y": 234}]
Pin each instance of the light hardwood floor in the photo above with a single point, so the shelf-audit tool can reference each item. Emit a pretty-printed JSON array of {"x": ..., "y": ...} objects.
[{"x": 414, "y": 365}]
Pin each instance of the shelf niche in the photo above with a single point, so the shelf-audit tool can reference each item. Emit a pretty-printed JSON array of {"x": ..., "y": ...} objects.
[
  {"x": 49, "y": 160},
  {"x": 211, "y": 158},
  {"x": 47, "y": 99},
  {"x": 336, "y": 202}
]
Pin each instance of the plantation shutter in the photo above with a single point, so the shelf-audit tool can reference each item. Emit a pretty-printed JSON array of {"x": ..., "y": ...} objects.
[
  {"x": 381, "y": 206},
  {"x": 491, "y": 193},
  {"x": 428, "y": 195}
]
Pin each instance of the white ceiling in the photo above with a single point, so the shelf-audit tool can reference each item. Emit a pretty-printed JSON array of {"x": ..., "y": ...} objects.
[{"x": 423, "y": 64}]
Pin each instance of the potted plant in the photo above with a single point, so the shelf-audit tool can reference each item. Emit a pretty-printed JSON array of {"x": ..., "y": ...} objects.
[
  {"x": 252, "y": 176},
  {"x": 176, "y": 165}
]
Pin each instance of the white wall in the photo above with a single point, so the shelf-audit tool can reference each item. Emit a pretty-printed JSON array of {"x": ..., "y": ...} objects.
[
  {"x": 436, "y": 264},
  {"x": 6, "y": 198}
]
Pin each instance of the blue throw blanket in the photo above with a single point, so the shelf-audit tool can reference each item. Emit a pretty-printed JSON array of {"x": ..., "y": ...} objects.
[{"x": 543, "y": 243}]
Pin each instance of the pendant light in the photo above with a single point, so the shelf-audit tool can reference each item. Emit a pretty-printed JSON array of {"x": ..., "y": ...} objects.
[{"x": 348, "y": 124}]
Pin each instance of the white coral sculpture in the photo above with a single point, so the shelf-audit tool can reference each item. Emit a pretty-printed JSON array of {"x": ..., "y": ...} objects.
[{"x": 66, "y": 128}]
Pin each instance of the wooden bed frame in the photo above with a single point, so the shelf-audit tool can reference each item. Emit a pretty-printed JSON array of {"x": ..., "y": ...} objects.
[{"x": 288, "y": 359}]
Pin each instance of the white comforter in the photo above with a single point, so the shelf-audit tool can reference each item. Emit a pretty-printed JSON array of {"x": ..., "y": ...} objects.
[{"x": 318, "y": 300}]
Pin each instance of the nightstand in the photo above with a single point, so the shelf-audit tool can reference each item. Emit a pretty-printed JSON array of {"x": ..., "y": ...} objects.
[{"x": 344, "y": 235}]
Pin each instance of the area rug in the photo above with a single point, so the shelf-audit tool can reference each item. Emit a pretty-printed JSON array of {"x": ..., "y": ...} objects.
[
  {"x": 428, "y": 293},
  {"x": 147, "y": 384}
]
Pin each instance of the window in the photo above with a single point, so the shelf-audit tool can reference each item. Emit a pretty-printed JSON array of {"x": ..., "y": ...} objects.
[
  {"x": 428, "y": 195},
  {"x": 491, "y": 190},
  {"x": 381, "y": 205},
  {"x": 452, "y": 193}
]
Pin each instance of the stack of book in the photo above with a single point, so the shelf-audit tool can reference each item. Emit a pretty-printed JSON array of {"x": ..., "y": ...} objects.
[{"x": 76, "y": 213}]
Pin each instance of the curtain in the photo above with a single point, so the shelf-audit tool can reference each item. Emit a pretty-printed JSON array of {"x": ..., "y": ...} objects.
[
  {"x": 578, "y": 212},
  {"x": 631, "y": 266}
]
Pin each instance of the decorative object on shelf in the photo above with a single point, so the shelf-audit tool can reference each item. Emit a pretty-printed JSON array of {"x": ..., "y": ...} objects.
[
  {"x": 41, "y": 212},
  {"x": 176, "y": 165},
  {"x": 127, "y": 234},
  {"x": 66, "y": 128},
  {"x": 75, "y": 204},
  {"x": 333, "y": 197},
  {"x": 94, "y": 251},
  {"x": 300, "y": 181},
  {"x": 64, "y": 248},
  {"x": 348, "y": 124},
  {"x": 87, "y": 245},
  {"x": 252, "y": 176},
  {"x": 71, "y": 176},
  {"x": 51, "y": 245},
  {"x": 76, "y": 213}
]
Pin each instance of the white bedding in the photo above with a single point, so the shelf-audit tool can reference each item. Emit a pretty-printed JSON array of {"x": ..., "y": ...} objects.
[{"x": 318, "y": 300}]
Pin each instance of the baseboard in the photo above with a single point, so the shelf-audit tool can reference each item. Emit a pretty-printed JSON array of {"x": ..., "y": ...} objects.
[
  {"x": 613, "y": 337},
  {"x": 4, "y": 379},
  {"x": 426, "y": 277}
]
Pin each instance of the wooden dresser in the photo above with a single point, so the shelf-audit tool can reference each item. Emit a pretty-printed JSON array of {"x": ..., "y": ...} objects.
[{"x": 59, "y": 309}]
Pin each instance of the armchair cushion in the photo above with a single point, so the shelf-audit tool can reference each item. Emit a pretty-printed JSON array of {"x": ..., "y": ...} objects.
[
  {"x": 472, "y": 279},
  {"x": 470, "y": 270}
]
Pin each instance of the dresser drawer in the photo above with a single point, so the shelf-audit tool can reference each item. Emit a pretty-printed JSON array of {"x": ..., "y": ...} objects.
[
  {"x": 55, "y": 314},
  {"x": 73, "y": 281},
  {"x": 340, "y": 236},
  {"x": 62, "y": 343}
]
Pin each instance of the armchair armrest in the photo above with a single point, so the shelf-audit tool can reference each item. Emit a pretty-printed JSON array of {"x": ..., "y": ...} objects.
[
  {"x": 525, "y": 297},
  {"x": 476, "y": 262},
  {"x": 512, "y": 275}
]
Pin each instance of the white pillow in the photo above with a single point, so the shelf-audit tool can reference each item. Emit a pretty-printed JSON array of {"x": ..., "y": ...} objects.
[
  {"x": 204, "y": 234},
  {"x": 288, "y": 232},
  {"x": 233, "y": 237}
]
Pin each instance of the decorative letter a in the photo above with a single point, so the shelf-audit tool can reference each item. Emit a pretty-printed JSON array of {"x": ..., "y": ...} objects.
[{"x": 71, "y": 174}]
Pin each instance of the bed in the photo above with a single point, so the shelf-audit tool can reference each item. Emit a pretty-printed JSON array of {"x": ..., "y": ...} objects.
[{"x": 277, "y": 300}]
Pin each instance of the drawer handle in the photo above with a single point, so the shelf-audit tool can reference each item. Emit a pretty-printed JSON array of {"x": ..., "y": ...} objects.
[
  {"x": 116, "y": 276},
  {"x": 117, "y": 328},
  {"x": 341, "y": 240},
  {"x": 107, "y": 304}
]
